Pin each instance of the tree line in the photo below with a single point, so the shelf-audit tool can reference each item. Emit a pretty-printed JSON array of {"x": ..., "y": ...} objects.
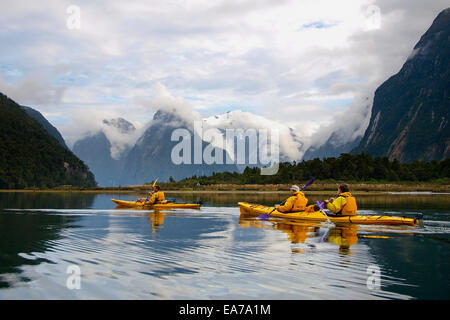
[{"x": 346, "y": 167}]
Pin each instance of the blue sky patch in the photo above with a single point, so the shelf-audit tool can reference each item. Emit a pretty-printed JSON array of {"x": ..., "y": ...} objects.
[{"x": 317, "y": 25}]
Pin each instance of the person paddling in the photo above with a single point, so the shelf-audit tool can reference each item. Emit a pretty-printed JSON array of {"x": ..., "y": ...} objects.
[
  {"x": 157, "y": 196},
  {"x": 296, "y": 202},
  {"x": 344, "y": 204}
]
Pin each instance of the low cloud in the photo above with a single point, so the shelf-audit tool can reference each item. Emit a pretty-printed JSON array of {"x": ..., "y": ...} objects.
[
  {"x": 347, "y": 125},
  {"x": 163, "y": 100},
  {"x": 82, "y": 124},
  {"x": 290, "y": 144},
  {"x": 35, "y": 89}
]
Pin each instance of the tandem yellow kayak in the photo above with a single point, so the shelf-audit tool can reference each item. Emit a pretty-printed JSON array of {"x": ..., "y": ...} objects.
[
  {"x": 136, "y": 204},
  {"x": 257, "y": 209}
]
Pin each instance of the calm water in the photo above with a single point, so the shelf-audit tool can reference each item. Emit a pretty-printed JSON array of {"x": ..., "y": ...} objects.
[{"x": 214, "y": 253}]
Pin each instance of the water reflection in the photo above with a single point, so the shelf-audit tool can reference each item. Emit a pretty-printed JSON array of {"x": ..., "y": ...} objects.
[
  {"x": 155, "y": 217},
  {"x": 24, "y": 236},
  {"x": 78, "y": 200},
  {"x": 343, "y": 236},
  {"x": 213, "y": 253},
  {"x": 54, "y": 200},
  {"x": 367, "y": 200}
]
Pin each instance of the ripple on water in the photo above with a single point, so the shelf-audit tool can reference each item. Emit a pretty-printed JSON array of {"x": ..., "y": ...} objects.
[{"x": 204, "y": 254}]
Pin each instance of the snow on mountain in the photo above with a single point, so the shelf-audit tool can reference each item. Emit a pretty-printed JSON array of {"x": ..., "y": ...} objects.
[{"x": 290, "y": 144}]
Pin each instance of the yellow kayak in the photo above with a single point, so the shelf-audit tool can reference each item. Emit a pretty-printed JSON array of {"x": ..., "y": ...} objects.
[
  {"x": 257, "y": 209},
  {"x": 136, "y": 204}
]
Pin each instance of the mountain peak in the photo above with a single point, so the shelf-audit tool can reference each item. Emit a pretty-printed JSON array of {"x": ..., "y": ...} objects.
[
  {"x": 121, "y": 124},
  {"x": 440, "y": 23},
  {"x": 163, "y": 115}
]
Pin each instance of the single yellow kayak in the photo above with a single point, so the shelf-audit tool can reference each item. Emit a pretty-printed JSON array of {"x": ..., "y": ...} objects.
[
  {"x": 136, "y": 204},
  {"x": 257, "y": 209}
]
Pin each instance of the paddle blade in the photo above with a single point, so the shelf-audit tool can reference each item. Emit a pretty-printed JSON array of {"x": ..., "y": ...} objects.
[
  {"x": 265, "y": 216},
  {"x": 154, "y": 183},
  {"x": 321, "y": 204}
]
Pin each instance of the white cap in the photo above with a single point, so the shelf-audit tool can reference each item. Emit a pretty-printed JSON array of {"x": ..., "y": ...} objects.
[{"x": 295, "y": 188}]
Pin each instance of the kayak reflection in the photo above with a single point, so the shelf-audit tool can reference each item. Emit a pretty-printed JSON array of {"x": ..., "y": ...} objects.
[
  {"x": 156, "y": 220},
  {"x": 155, "y": 217},
  {"x": 344, "y": 236}
]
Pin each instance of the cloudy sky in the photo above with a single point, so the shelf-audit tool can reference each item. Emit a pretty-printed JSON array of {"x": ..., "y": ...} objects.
[{"x": 298, "y": 62}]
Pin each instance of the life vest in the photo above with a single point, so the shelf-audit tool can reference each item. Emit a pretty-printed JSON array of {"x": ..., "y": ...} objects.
[
  {"x": 295, "y": 203},
  {"x": 350, "y": 208},
  {"x": 300, "y": 202},
  {"x": 159, "y": 197}
]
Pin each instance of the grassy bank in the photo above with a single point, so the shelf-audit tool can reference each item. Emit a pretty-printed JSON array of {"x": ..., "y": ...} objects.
[
  {"x": 316, "y": 186},
  {"x": 355, "y": 187}
]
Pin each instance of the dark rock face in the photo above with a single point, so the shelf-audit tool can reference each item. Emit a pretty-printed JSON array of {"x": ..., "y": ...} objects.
[
  {"x": 122, "y": 125},
  {"x": 95, "y": 152},
  {"x": 411, "y": 110}
]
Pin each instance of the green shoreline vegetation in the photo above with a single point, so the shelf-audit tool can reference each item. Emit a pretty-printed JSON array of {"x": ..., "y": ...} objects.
[
  {"x": 318, "y": 187},
  {"x": 363, "y": 173}
]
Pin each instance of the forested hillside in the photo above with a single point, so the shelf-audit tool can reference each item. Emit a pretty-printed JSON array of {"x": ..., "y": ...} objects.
[{"x": 31, "y": 157}]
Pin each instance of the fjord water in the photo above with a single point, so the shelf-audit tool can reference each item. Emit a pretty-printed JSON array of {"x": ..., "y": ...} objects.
[{"x": 215, "y": 253}]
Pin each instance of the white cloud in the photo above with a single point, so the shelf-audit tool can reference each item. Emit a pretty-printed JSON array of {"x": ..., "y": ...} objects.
[
  {"x": 290, "y": 146},
  {"x": 33, "y": 89},
  {"x": 295, "y": 62}
]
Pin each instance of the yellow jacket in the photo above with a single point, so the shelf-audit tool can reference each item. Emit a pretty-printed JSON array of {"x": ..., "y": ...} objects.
[
  {"x": 157, "y": 197},
  {"x": 344, "y": 204},
  {"x": 297, "y": 202}
]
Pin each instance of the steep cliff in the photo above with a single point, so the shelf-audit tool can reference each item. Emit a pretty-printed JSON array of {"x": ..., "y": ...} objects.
[{"x": 411, "y": 110}]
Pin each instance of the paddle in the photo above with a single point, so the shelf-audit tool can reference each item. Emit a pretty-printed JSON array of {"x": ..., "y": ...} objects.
[
  {"x": 321, "y": 206},
  {"x": 330, "y": 224},
  {"x": 265, "y": 216}
]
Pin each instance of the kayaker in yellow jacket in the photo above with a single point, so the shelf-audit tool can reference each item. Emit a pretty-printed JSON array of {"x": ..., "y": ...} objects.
[
  {"x": 296, "y": 202},
  {"x": 344, "y": 204},
  {"x": 157, "y": 196}
]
